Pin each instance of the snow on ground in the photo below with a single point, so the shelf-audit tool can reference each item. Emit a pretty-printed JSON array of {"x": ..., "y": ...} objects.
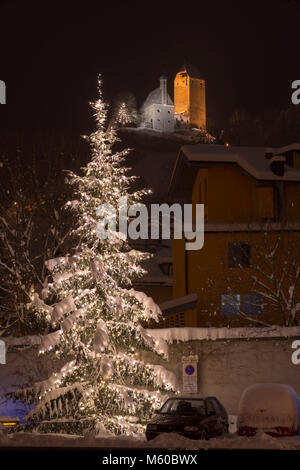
[{"x": 164, "y": 441}]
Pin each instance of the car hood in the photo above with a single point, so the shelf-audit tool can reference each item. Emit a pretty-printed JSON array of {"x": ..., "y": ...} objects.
[{"x": 187, "y": 420}]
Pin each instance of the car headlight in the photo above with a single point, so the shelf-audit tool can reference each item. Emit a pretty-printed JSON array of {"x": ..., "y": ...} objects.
[
  {"x": 191, "y": 428},
  {"x": 152, "y": 427}
]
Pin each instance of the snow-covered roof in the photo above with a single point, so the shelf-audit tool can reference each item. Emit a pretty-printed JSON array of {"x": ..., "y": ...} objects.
[
  {"x": 177, "y": 305},
  {"x": 155, "y": 97},
  {"x": 155, "y": 276},
  {"x": 251, "y": 159}
]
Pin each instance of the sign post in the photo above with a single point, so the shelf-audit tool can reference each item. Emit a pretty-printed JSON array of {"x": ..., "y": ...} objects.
[
  {"x": 189, "y": 374},
  {"x": 2, "y": 352}
]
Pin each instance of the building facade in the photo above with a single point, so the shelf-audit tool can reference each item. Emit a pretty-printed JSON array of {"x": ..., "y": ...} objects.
[
  {"x": 248, "y": 269},
  {"x": 158, "y": 109}
]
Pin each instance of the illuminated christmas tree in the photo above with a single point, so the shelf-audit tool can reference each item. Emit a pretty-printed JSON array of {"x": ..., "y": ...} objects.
[
  {"x": 94, "y": 316},
  {"x": 123, "y": 116}
]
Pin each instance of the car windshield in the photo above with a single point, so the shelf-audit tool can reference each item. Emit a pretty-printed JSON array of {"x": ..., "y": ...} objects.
[{"x": 175, "y": 406}]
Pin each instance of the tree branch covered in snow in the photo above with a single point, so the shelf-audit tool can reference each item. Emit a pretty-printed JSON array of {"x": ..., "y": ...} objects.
[{"x": 32, "y": 228}]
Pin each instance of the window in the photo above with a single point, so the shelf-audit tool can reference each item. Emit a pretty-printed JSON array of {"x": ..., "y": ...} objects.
[
  {"x": 176, "y": 406},
  {"x": 210, "y": 408},
  {"x": 217, "y": 406},
  {"x": 252, "y": 304},
  {"x": 249, "y": 304},
  {"x": 239, "y": 254},
  {"x": 230, "y": 304}
]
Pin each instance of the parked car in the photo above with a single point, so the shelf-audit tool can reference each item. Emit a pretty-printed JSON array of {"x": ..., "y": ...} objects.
[
  {"x": 196, "y": 418},
  {"x": 272, "y": 408}
]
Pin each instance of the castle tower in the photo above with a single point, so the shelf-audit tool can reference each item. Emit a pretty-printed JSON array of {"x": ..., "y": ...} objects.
[{"x": 189, "y": 97}]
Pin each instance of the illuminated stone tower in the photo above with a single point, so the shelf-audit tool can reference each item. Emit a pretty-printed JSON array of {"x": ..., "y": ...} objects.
[{"x": 189, "y": 97}]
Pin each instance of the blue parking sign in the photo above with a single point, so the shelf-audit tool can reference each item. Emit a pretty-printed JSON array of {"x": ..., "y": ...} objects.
[{"x": 189, "y": 369}]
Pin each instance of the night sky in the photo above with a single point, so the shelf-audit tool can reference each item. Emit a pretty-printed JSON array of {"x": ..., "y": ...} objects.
[{"x": 51, "y": 53}]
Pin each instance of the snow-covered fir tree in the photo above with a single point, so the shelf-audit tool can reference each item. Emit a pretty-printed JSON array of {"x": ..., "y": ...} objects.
[
  {"x": 94, "y": 316},
  {"x": 124, "y": 111}
]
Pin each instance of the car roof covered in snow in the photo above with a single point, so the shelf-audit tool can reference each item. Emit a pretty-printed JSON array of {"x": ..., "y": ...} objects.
[{"x": 269, "y": 405}]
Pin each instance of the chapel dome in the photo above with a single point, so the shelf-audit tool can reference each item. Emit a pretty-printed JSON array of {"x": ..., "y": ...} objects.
[{"x": 155, "y": 97}]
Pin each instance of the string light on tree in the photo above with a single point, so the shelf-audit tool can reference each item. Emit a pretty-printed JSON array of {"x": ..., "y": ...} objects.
[
  {"x": 94, "y": 316},
  {"x": 123, "y": 116}
]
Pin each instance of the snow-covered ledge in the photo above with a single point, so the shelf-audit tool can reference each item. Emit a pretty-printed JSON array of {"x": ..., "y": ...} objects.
[
  {"x": 22, "y": 340},
  {"x": 189, "y": 333}
]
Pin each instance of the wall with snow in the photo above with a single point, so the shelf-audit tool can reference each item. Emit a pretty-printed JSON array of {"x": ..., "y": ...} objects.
[
  {"x": 229, "y": 361},
  {"x": 227, "y": 366}
]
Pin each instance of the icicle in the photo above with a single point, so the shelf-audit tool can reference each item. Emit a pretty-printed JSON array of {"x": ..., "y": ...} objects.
[{"x": 59, "y": 405}]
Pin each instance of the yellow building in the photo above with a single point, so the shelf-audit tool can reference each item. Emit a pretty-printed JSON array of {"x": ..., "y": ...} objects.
[
  {"x": 189, "y": 97},
  {"x": 247, "y": 271}
]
